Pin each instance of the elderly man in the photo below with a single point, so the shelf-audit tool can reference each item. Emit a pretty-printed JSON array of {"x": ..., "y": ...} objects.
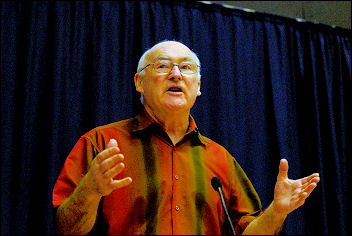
[{"x": 152, "y": 174}]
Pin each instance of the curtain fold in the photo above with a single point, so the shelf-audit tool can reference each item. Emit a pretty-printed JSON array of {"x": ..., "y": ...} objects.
[{"x": 271, "y": 87}]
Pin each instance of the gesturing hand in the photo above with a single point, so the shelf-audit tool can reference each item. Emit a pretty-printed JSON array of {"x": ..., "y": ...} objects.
[
  {"x": 104, "y": 167},
  {"x": 290, "y": 194}
]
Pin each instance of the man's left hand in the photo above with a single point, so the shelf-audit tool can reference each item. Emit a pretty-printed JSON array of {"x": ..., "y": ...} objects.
[{"x": 290, "y": 194}]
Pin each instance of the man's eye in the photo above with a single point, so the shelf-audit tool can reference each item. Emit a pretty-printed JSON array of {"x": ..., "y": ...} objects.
[
  {"x": 163, "y": 66},
  {"x": 186, "y": 67}
]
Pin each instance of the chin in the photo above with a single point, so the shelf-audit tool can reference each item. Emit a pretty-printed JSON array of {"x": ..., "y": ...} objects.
[{"x": 177, "y": 106}]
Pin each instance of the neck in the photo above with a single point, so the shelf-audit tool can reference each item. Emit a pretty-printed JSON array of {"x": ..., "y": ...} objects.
[{"x": 174, "y": 123}]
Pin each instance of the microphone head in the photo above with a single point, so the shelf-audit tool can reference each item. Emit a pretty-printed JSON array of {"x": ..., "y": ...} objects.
[{"x": 216, "y": 183}]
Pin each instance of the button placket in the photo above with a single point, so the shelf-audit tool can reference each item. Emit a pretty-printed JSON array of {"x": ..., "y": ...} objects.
[{"x": 176, "y": 177}]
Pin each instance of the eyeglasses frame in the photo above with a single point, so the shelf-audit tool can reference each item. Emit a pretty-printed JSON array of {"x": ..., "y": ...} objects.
[{"x": 174, "y": 64}]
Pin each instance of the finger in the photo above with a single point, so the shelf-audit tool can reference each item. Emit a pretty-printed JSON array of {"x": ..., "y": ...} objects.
[
  {"x": 112, "y": 143},
  {"x": 115, "y": 170},
  {"x": 108, "y": 163},
  {"x": 283, "y": 169},
  {"x": 107, "y": 153},
  {"x": 122, "y": 182},
  {"x": 301, "y": 200},
  {"x": 315, "y": 177},
  {"x": 305, "y": 194},
  {"x": 310, "y": 188}
]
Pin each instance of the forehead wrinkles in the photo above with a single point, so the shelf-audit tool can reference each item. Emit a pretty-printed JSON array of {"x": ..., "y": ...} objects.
[{"x": 171, "y": 51}]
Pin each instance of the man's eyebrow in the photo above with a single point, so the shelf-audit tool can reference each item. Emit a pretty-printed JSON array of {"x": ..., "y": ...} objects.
[{"x": 167, "y": 57}]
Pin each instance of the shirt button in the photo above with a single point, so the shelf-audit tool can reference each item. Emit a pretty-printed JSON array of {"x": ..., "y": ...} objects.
[
  {"x": 177, "y": 208},
  {"x": 176, "y": 177}
]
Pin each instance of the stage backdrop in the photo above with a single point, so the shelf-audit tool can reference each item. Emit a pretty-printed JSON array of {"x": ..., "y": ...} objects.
[{"x": 272, "y": 88}]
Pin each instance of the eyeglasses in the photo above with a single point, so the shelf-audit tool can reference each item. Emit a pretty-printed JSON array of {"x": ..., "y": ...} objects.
[{"x": 165, "y": 66}]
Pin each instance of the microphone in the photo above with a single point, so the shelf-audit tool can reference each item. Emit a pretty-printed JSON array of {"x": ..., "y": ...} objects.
[{"x": 217, "y": 185}]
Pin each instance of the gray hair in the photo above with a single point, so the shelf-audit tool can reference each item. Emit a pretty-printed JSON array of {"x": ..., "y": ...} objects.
[{"x": 142, "y": 60}]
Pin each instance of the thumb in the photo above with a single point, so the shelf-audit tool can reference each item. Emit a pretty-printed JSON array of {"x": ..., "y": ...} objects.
[
  {"x": 112, "y": 143},
  {"x": 283, "y": 169}
]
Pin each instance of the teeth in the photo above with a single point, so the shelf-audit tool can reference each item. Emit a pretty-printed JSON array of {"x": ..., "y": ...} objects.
[{"x": 175, "y": 89}]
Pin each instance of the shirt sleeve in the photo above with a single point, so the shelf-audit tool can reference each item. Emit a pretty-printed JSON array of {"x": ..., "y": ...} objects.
[
  {"x": 245, "y": 203},
  {"x": 75, "y": 167}
]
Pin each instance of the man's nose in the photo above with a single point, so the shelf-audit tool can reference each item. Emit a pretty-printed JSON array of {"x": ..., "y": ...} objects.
[{"x": 175, "y": 73}]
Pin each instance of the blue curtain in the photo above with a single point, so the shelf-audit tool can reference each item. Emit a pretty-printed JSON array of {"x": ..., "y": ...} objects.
[{"x": 272, "y": 88}]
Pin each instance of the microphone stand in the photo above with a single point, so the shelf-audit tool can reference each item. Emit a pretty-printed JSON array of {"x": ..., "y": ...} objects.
[{"x": 216, "y": 183}]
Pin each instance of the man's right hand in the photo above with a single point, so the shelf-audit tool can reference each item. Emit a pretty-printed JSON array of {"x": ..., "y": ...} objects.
[
  {"x": 104, "y": 167},
  {"x": 78, "y": 213}
]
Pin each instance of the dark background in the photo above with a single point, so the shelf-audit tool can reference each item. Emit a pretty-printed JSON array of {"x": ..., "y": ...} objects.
[{"x": 271, "y": 87}]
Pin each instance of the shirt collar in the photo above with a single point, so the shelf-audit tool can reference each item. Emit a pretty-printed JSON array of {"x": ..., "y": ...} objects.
[{"x": 143, "y": 121}]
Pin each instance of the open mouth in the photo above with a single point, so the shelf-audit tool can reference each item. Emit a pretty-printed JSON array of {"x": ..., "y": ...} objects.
[{"x": 175, "y": 90}]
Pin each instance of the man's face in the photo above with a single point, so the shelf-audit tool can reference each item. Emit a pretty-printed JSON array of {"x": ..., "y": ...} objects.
[{"x": 171, "y": 90}]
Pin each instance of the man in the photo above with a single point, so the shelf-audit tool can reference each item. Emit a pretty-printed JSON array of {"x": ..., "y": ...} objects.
[{"x": 152, "y": 174}]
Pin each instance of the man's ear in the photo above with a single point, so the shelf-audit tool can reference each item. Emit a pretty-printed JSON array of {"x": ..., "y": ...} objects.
[
  {"x": 198, "y": 92},
  {"x": 138, "y": 82}
]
